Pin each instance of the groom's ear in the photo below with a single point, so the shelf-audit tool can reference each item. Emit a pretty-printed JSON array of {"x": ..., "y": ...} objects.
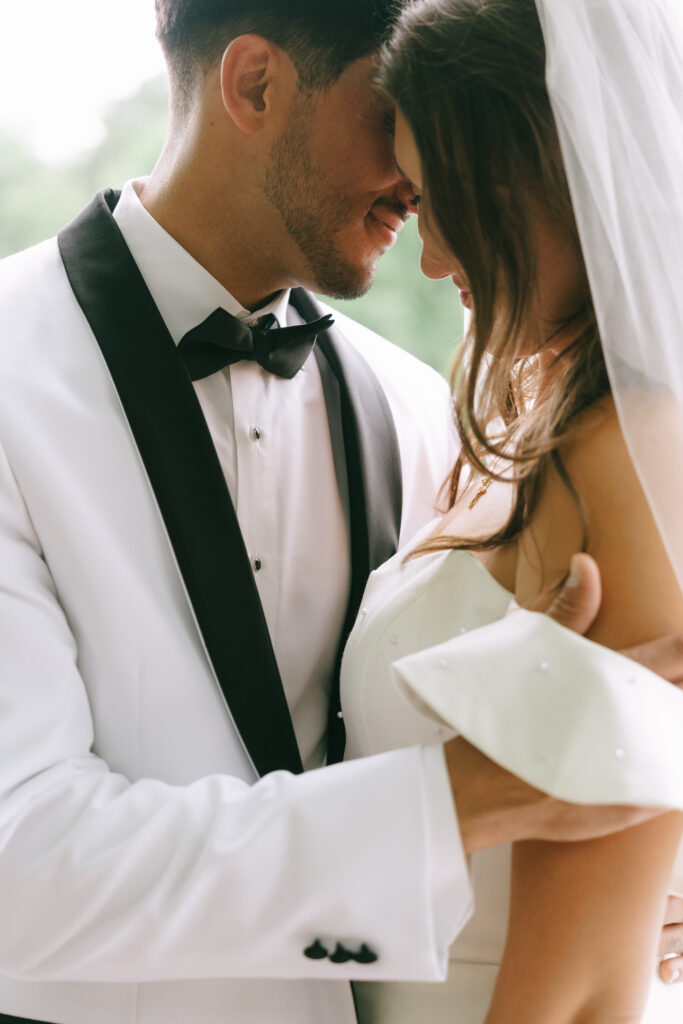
[{"x": 258, "y": 81}]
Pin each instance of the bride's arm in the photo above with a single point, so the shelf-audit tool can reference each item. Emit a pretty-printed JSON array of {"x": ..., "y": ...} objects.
[
  {"x": 585, "y": 917},
  {"x": 584, "y": 924}
]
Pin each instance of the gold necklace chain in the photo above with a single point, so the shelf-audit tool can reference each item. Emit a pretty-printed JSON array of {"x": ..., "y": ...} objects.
[{"x": 485, "y": 484}]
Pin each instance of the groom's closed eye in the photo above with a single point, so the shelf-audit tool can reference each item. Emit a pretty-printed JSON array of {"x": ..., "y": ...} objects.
[{"x": 416, "y": 198}]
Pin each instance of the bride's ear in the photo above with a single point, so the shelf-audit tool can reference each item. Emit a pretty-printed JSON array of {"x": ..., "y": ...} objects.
[{"x": 256, "y": 81}]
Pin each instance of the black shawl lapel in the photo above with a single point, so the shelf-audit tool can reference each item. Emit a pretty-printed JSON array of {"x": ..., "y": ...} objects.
[
  {"x": 179, "y": 457},
  {"x": 373, "y": 464}
]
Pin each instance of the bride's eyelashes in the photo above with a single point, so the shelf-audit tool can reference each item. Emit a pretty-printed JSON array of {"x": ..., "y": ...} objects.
[{"x": 416, "y": 198}]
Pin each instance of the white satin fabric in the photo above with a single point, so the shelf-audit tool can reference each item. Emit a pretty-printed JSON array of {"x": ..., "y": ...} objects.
[{"x": 571, "y": 717}]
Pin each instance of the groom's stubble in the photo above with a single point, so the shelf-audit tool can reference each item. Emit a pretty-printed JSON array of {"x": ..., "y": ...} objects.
[
  {"x": 326, "y": 209},
  {"x": 312, "y": 209}
]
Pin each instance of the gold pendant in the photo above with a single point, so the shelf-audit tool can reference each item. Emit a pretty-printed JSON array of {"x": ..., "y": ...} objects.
[{"x": 480, "y": 493}]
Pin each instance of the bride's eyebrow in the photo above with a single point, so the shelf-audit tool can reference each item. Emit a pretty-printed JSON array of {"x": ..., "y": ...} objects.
[{"x": 402, "y": 173}]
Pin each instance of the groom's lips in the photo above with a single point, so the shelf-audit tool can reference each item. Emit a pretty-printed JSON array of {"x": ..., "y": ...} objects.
[{"x": 386, "y": 224}]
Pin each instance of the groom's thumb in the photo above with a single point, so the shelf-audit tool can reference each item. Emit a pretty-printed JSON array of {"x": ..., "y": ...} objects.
[{"x": 578, "y": 603}]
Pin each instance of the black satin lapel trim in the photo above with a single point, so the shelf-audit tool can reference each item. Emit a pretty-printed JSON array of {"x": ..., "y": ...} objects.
[
  {"x": 6, "y": 1019},
  {"x": 183, "y": 468},
  {"x": 373, "y": 467},
  {"x": 373, "y": 455}
]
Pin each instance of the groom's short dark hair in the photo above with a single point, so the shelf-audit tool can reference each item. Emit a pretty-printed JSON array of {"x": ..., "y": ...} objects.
[{"x": 321, "y": 36}]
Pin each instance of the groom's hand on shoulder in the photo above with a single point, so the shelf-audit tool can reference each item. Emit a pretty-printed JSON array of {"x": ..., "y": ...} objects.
[
  {"x": 578, "y": 603},
  {"x": 671, "y": 944},
  {"x": 497, "y": 807}
]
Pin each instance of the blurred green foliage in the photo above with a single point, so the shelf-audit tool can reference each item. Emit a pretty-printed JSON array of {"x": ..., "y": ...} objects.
[{"x": 35, "y": 201}]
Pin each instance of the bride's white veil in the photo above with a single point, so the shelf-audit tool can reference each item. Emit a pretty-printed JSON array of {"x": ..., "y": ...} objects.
[{"x": 615, "y": 78}]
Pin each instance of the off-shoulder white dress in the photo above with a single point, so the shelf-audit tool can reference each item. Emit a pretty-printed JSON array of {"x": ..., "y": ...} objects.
[{"x": 441, "y": 648}]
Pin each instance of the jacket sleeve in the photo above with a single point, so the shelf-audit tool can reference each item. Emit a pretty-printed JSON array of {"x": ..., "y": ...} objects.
[{"x": 107, "y": 879}]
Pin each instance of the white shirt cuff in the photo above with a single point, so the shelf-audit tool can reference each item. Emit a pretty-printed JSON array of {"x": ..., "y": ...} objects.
[{"x": 449, "y": 871}]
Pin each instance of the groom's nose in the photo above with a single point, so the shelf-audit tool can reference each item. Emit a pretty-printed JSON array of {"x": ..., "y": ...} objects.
[{"x": 405, "y": 193}]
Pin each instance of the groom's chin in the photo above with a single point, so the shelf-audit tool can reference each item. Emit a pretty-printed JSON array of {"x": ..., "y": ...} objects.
[{"x": 339, "y": 279}]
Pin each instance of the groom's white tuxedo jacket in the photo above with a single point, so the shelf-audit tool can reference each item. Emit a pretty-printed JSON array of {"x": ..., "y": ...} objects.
[{"x": 155, "y": 866}]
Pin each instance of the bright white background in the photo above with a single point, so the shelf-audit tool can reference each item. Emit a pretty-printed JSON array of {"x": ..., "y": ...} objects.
[{"x": 62, "y": 62}]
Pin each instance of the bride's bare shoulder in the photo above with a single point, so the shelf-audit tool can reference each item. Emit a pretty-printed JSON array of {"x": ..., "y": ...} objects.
[{"x": 597, "y": 504}]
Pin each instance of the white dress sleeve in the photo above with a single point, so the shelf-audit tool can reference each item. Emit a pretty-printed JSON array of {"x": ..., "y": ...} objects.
[{"x": 570, "y": 717}]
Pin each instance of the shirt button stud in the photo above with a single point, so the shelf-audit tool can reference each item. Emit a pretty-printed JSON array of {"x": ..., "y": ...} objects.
[
  {"x": 258, "y": 565},
  {"x": 255, "y": 434}
]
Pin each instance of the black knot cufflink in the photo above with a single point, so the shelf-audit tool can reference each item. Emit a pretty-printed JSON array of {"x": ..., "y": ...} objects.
[
  {"x": 317, "y": 951},
  {"x": 365, "y": 955},
  {"x": 341, "y": 955}
]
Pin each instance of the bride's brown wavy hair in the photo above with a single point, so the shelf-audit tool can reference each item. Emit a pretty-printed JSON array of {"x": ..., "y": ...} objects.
[{"x": 469, "y": 77}]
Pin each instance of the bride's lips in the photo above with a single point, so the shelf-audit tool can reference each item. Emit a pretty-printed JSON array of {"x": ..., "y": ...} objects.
[
  {"x": 385, "y": 225},
  {"x": 465, "y": 293}
]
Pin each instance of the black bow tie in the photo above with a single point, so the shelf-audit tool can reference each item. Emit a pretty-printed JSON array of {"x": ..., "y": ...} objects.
[{"x": 222, "y": 340}]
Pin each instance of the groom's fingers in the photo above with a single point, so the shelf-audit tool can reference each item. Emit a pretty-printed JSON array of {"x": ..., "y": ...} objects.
[
  {"x": 578, "y": 603},
  {"x": 671, "y": 942},
  {"x": 674, "y": 916},
  {"x": 496, "y": 807},
  {"x": 664, "y": 656},
  {"x": 671, "y": 970}
]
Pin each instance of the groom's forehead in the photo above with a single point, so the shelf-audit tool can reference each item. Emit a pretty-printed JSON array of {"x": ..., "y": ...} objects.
[{"x": 356, "y": 88}]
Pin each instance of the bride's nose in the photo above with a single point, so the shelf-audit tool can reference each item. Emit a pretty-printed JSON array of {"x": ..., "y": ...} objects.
[{"x": 436, "y": 262}]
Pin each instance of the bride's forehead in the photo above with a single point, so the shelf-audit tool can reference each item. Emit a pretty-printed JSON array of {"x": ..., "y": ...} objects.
[{"x": 407, "y": 154}]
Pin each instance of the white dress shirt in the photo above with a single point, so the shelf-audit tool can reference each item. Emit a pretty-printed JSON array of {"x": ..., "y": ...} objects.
[{"x": 273, "y": 443}]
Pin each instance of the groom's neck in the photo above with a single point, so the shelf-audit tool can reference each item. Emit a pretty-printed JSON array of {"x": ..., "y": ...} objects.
[{"x": 207, "y": 200}]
